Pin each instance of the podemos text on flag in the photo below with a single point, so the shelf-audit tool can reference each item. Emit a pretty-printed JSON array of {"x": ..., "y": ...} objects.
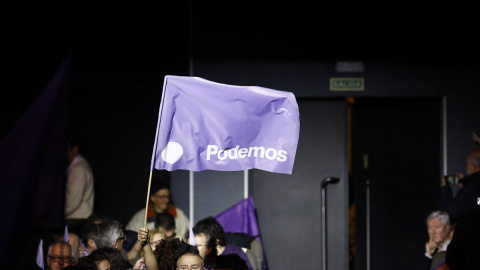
[{"x": 204, "y": 125}]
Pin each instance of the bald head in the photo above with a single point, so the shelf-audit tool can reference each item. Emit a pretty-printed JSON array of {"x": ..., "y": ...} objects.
[
  {"x": 190, "y": 261},
  {"x": 74, "y": 241},
  {"x": 473, "y": 162}
]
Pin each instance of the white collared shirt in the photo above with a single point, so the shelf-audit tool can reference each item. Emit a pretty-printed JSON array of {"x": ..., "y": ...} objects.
[{"x": 75, "y": 160}]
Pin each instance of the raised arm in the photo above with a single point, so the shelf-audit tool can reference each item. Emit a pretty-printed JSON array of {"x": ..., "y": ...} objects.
[{"x": 144, "y": 239}]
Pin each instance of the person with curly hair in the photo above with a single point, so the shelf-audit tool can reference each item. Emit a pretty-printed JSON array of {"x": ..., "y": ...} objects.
[{"x": 166, "y": 253}]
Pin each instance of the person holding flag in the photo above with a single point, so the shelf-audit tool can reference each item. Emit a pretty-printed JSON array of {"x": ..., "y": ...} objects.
[{"x": 204, "y": 125}]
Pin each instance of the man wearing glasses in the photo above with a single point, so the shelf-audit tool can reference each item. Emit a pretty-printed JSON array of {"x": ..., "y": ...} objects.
[
  {"x": 160, "y": 202},
  {"x": 110, "y": 234},
  {"x": 60, "y": 255}
]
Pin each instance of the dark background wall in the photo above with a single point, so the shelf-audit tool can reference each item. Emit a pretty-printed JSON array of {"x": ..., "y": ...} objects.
[{"x": 122, "y": 51}]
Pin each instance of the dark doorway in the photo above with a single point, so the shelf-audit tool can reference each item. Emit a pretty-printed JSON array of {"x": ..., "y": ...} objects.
[
  {"x": 289, "y": 206},
  {"x": 397, "y": 147}
]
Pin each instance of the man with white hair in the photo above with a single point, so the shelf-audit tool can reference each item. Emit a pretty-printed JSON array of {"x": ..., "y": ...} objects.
[
  {"x": 438, "y": 224},
  {"x": 110, "y": 234},
  {"x": 60, "y": 255}
]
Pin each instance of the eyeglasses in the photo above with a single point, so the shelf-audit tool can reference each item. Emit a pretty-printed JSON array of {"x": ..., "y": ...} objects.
[
  {"x": 123, "y": 238},
  {"x": 162, "y": 197},
  {"x": 63, "y": 259}
]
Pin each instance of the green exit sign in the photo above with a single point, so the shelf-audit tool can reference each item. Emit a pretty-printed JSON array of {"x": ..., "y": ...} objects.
[{"x": 347, "y": 84}]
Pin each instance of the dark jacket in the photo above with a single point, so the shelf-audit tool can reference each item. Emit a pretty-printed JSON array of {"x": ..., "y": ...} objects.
[
  {"x": 463, "y": 252},
  {"x": 465, "y": 201}
]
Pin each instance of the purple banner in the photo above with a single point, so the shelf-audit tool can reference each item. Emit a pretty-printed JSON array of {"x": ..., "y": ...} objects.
[
  {"x": 204, "y": 125},
  {"x": 240, "y": 218}
]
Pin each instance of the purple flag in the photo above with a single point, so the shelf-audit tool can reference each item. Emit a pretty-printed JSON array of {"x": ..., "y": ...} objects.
[
  {"x": 240, "y": 218},
  {"x": 65, "y": 234},
  {"x": 85, "y": 250},
  {"x": 40, "y": 262},
  {"x": 203, "y": 125}
]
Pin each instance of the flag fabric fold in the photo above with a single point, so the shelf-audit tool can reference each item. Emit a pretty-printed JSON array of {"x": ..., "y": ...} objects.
[{"x": 204, "y": 125}]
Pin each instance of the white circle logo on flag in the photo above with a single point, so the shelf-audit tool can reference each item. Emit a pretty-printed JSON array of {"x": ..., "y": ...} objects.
[{"x": 172, "y": 152}]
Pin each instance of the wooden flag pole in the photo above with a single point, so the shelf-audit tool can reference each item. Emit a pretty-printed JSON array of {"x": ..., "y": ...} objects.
[{"x": 148, "y": 197}]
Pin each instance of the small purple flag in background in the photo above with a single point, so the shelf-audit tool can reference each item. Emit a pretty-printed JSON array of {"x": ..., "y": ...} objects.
[
  {"x": 203, "y": 125},
  {"x": 39, "y": 260},
  {"x": 85, "y": 250},
  {"x": 240, "y": 218},
  {"x": 65, "y": 235}
]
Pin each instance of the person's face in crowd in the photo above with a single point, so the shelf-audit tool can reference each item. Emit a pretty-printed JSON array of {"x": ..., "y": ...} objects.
[
  {"x": 103, "y": 265},
  {"x": 156, "y": 240},
  {"x": 437, "y": 231},
  {"x": 161, "y": 199},
  {"x": 201, "y": 241},
  {"x": 60, "y": 257},
  {"x": 168, "y": 234},
  {"x": 189, "y": 262},
  {"x": 118, "y": 245},
  {"x": 90, "y": 245}
]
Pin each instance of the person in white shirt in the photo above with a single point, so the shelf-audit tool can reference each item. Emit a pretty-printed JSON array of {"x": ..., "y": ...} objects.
[
  {"x": 79, "y": 195},
  {"x": 160, "y": 202}
]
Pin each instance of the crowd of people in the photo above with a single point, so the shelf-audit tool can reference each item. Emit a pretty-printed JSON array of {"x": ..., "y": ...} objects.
[
  {"x": 166, "y": 242},
  {"x": 102, "y": 243},
  {"x": 453, "y": 228}
]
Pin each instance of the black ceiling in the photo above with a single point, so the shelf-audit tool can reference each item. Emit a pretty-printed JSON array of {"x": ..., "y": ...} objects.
[{"x": 151, "y": 36}]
